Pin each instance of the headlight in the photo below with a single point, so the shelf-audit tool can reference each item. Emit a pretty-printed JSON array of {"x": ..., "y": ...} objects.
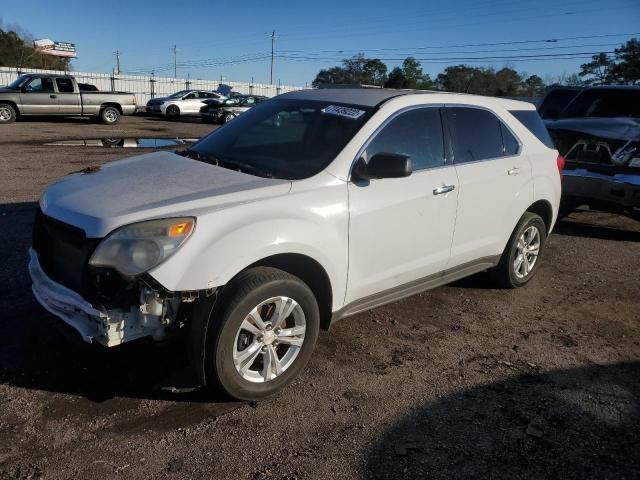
[{"x": 136, "y": 248}]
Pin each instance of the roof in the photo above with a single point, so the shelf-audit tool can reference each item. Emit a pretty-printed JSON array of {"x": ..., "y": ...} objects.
[
  {"x": 614, "y": 87},
  {"x": 372, "y": 97},
  {"x": 367, "y": 97}
]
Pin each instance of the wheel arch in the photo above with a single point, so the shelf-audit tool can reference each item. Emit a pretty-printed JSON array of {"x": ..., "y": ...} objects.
[
  {"x": 545, "y": 210},
  {"x": 14, "y": 105},
  {"x": 311, "y": 272},
  {"x": 115, "y": 105}
]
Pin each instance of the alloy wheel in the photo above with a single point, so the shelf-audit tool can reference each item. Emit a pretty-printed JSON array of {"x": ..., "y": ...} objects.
[
  {"x": 269, "y": 339},
  {"x": 527, "y": 252}
]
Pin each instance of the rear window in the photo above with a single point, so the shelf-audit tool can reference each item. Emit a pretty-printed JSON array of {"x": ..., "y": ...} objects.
[
  {"x": 556, "y": 101},
  {"x": 604, "y": 103},
  {"x": 533, "y": 122}
]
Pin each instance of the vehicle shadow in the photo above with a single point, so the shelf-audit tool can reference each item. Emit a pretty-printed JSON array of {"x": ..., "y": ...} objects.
[
  {"x": 181, "y": 119},
  {"x": 579, "y": 423},
  {"x": 579, "y": 229},
  {"x": 56, "y": 119},
  {"x": 35, "y": 354}
]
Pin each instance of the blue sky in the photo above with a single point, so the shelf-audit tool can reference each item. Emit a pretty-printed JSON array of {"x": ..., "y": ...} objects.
[{"x": 232, "y": 38}]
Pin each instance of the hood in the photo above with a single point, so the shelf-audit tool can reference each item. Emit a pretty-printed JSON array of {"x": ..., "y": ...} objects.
[
  {"x": 224, "y": 89},
  {"x": 157, "y": 101},
  {"x": 622, "y": 128},
  {"x": 155, "y": 185},
  {"x": 8, "y": 90}
]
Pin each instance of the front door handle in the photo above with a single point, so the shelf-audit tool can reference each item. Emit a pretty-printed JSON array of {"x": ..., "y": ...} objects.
[
  {"x": 443, "y": 189},
  {"x": 53, "y": 96},
  {"x": 514, "y": 171}
]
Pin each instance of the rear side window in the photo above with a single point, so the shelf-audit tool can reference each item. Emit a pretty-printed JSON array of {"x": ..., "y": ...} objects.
[
  {"x": 477, "y": 134},
  {"x": 509, "y": 142},
  {"x": 416, "y": 133},
  {"x": 65, "y": 85},
  {"x": 533, "y": 122}
]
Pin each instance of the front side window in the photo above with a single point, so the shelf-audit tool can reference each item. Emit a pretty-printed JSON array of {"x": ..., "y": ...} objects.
[
  {"x": 289, "y": 139},
  {"x": 191, "y": 96},
  {"x": 40, "y": 85},
  {"x": 416, "y": 133},
  {"x": 65, "y": 85},
  {"x": 477, "y": 134},
  {"x": 179, "y": 94}
]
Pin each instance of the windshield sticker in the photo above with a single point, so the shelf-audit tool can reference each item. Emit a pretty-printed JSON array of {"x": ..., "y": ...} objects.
[{"x": 353, "y": 113}]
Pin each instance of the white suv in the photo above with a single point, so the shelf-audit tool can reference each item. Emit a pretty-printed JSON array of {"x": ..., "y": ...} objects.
[{"x": 312, "y": 206}]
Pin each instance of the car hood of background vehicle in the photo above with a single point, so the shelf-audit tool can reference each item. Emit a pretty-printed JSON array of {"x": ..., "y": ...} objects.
[
  {"x": 156, "y": 101},
  {"x": 617, "y": 128},
  {"x": 155, "y": 185}
]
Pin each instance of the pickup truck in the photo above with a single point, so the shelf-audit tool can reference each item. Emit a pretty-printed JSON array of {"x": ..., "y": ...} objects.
[{"x": 43, "y": 94}]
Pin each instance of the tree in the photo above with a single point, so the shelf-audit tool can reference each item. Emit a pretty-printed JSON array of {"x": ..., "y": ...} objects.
[
  {"x": 16, "y": 51},
  {"x": 627, "y": 67},
  {"x": 396, "y": 78},
  {"x": 598, "y": 70},
  {"x": 356, "y": 70},
  {"x": 410, "y": 75},
  {"x": 533, "y": 86}
]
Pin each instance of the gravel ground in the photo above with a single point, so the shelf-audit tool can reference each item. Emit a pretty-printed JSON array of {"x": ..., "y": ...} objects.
[{"x": 463, "y": 381}]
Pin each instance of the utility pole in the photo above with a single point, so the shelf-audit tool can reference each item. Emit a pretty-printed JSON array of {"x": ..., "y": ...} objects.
[
  {"x": 117, "y": 54},
  {"x": 273, "y": 42},
  {"x": 175, "y": 61}
]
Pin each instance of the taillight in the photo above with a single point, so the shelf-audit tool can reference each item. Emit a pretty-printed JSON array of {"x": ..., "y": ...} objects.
[
  {"x": 134, "y": 99},
  {"x": 560, "y": 161}
]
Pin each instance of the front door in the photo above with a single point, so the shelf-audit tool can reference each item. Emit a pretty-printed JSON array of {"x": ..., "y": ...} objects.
[
  {"x": 38, "y": 97},
  {"x": 400, "y": 229}
]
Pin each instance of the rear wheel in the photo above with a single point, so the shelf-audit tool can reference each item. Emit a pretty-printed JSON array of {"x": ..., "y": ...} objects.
[
  {"x": 258, "y": 336},
  {"x": 110, "y": 115},
  {"x": 7, "y": 113},
  {"x": 520, "y": 259},
  {"x": 173, "y": 111}
]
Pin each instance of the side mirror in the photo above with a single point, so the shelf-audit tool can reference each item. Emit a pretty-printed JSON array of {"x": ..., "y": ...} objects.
[{"x": 384, "y": 165}]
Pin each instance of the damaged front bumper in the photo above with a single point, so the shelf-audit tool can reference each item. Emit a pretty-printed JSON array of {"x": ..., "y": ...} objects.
[{"x": 109, "y": 327}]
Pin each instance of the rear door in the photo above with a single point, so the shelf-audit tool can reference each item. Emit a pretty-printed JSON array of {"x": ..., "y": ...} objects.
[
  {"x": 192, "y": 102},
  {"x": 38, "y": 97},
  {"x": 400, "y": 229},
  {"x": 68, "y": 97},
  {"x": 495, "y": 183}
]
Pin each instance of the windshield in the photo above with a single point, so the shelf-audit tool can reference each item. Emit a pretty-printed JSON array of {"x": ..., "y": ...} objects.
[
  {"x": 556, "y": 101},
  {"x": 290, "y": 139},
  {"x": 179, "y": 94},
  {"x": 19, "y": 82},
  {"x": 604, "y": 103}
]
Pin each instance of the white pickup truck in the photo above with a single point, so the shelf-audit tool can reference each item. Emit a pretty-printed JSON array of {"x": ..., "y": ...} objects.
[
  {"x": 61, "y": 95},
  {"x": 310, "y": 207}
]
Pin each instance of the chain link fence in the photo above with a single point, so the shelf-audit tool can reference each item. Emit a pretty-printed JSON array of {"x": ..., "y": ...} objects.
[{"x": 148, "y": 87}]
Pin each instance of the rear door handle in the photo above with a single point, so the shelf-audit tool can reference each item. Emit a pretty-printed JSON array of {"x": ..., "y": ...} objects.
[
  {"x": 514, "y": 171},
  {"x": 443, "y": 189},
  {"x": 53, "y": 96}
]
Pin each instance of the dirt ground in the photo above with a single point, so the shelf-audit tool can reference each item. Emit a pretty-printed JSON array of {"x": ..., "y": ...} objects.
[{"x": 465, "y": 381}]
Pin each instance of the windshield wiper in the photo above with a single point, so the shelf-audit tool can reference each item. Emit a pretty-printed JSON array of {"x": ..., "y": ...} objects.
[{"x": 229, "y": 164}]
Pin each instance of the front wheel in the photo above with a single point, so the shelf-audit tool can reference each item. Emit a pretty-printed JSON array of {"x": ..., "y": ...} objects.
[
  {"x": 228, "y": 117},
  {"x": 7, "y": 113},
  {"x": 521, "y": 258},
  {"x": 258, "y": 336},
  {"x": 110, "y": 115}
]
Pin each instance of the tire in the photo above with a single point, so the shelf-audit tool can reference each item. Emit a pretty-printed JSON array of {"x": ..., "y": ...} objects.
[
  {"x": 231, "y": 358},
  {"x": 510, "y": 272},
  {"x": 228, "y": 117},
  {"x": 110, "y": 115},
  {"x": 8, "y": 114},
  {"x": 172, "y": 112}
]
